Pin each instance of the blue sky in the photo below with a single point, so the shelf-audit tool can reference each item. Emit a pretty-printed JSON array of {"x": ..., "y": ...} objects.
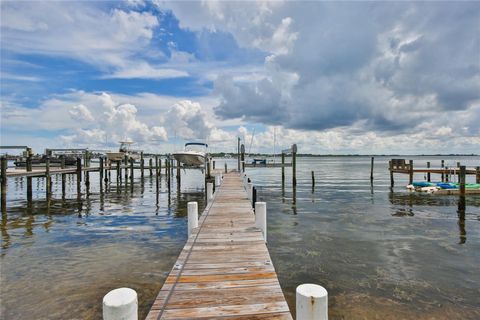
[{"x": 365, "y": 77}]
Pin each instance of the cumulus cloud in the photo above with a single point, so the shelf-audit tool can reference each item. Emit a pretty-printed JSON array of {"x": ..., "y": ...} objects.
[
  {"x": 188, "y": 120},
  {"x": 113, "y": 122},
  {"x": 385, "y": 70}
]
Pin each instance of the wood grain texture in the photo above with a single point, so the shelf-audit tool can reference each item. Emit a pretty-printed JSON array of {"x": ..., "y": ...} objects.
[{"x": 224, "y": 270}]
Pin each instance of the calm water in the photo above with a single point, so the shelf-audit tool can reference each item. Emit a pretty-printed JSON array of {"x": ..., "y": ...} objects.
[{"x": 381, "y": 254}]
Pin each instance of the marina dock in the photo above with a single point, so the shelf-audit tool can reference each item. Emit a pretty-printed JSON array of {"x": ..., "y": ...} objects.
[{"x": 224, "y": 270}]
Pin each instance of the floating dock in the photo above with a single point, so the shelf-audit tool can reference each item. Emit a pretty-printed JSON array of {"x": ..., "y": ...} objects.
[{"x": 224, "y": 271}]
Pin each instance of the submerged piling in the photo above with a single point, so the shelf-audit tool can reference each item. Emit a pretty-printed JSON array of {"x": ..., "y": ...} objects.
[
  {"x": 4, "y": 164},
  {"x": 371, "y": 170}
]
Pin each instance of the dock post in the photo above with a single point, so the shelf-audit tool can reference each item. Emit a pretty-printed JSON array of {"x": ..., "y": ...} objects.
[
  {"x": 126, "y": 168},
  {"x": 213, "y": 163},
  {"x": 4, "y": 164},
  {"x": 442, "y": 166},
  {"x": 209, "y": 192},
  {"x": 446, "y": 174},
  {"x": 312, "y": 302},
  {"x": 390, "y": 166},
  {"x": 242, "y": 156},
  {"x": 87, "y": 180},
  {"x": 283, "y": 169},
  {"x": 100, "y": 173},
  {"x": 254, "y": 196},
  {"x": 119, "y": 171},
  {"x": 157, "y": 173},
  {"x": 371, "y": 170},
  {"x": 461, "y": 179},
  {"x": 131, "y": 169},
  {"x": 226, "y": 168},
  {"x": 79, "y": 176},
  {"x": 261, "y": 218},
  {"x": 249, "y": 190},
  {"x": 120, "y": 303},
  {"x": 142, "y": 165},
  {"x": 29, "y": 179},
  {"x": 477, "y": 180},
  {"x": 179, "y": 181},
  {"x": 410, "y": 172},
  {"x": 150, "y": 164},
  {"x": 48, "y": 180},
  {"x": 62, "y": 165},
  {"x": 428, "y": 173},
  {"x": 166, "y": 168},
  {"x": 313, "y": 180},
  {"x": 209, "y": 176},
  {"x": 192, "y": 209},
  {"x": 238, "y": 153},
  {"x": 294, "y": 165}
]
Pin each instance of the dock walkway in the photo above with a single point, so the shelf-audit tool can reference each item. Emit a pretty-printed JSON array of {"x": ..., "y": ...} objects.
[{"x": 224, "y": 271}]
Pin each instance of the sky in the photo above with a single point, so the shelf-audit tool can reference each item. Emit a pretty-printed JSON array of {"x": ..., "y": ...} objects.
[{"x": 332, "y": 77}]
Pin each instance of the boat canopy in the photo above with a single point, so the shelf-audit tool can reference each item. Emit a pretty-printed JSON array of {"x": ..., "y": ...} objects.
[{"x": 196, "y": 144}]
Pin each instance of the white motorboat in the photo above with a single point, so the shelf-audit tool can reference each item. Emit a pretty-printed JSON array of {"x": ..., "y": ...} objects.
[
  {"x": 123, "y": 151},
  {"x": 191, "y": 156}
]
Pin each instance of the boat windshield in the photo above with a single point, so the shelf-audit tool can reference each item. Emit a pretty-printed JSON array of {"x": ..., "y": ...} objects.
[{"x": 196, "y": 146}]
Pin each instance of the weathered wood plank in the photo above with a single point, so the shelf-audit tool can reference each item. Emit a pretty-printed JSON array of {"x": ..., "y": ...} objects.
[{"x": 224, "y": 270}]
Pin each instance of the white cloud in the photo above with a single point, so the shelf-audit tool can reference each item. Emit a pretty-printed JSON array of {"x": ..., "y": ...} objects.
[{"x": 113, "y": 41}]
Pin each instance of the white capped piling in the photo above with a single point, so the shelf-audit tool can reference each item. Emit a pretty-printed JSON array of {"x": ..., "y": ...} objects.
[
  {"x": 209, "y": 192},
  {"x": 192, "y": 216},
  {"x": 120, "y": 304},
  {"x": 312, "y": 302},
  {"x": 250, "y": 190},
  {"x": 261, "y": 218}
]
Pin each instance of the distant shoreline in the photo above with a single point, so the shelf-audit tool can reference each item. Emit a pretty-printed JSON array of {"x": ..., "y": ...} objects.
[{"x": 308, "y": 155}]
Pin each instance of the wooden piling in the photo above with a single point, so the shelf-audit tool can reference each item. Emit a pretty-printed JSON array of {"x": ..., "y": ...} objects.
[
  {"x": 477, "y": 180},
  {"x": 283, "y": 169},
  {"x": 443, "y": 166},
  {"x": 226, "y": 171},
  {"x": 126, "y": 168},
  {"x": 142, "y": 165},
  {"x": 119, "y": 171},
  {"x": 446, "y": 175},
  {"x": 390, "y": 166},
  {"x": 100, "y": 172},
  {"x": 29, "y": 179},
  {"x": 150, "y": 164},
  {"x": 294, "y": 165},
  {"x": 254, "y": 196},
  {"x": 410, "y": 171},
  {"x": 4, "y": 165},
  {"x": 313, "y": 180},
  {"x": 242, "y": 156},
  {"x": 64, "y": 176},
  {"x": 157, "y": 173},
  {"x": 131, "y": 169},
  {"x": 79, "y": 176},
  {"x": 178, "y": 175},
  {"x": 48, "y": 181},
  {"x": 213, "y": 163},
  {"x": 428, "y": 173},
  {"x": 461, "y": 180},
  {"x": 209, "y": 176},
  {"x": 238, "y": 153},
  {"x": 166, "y": 168},
  {"x": 371, "y": 170}
]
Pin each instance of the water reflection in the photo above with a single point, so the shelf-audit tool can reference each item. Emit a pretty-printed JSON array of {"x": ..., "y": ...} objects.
[
  {"x": 380, "y": 252},
  {"x": 75, "y": 247}
]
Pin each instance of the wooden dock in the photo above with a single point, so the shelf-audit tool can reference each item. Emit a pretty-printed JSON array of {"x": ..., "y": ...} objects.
[{"x": 224, "y": 271}]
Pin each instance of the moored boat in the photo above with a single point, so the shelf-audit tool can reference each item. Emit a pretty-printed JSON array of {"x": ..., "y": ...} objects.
[{"x": 190, "y": 156}]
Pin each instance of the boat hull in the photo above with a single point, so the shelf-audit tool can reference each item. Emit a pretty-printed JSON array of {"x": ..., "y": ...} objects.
[{"x": 190, "y": 158}]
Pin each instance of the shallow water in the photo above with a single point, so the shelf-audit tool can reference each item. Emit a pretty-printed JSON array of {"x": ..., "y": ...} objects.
[{"x": 380, "y": 254}]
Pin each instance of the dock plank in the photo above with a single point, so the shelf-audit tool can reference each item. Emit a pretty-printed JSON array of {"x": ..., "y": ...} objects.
[{"x": 224, "y": 270}]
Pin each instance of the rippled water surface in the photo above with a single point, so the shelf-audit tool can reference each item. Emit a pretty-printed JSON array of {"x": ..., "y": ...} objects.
[{"x": 381, "y": 254}]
